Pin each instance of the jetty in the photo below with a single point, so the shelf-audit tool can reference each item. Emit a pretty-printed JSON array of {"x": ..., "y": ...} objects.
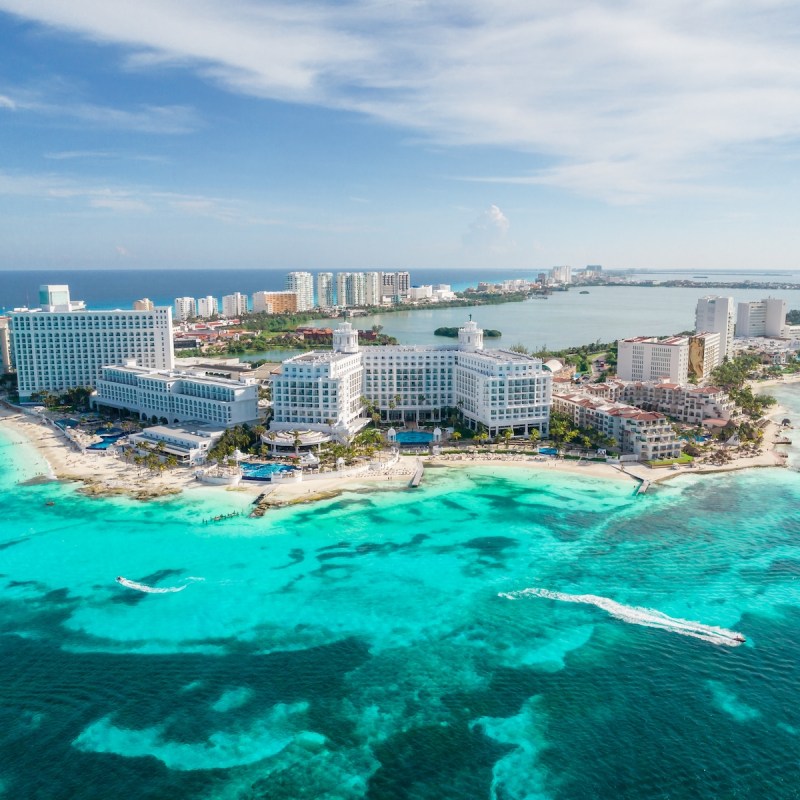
[
  {"x": 643, "y": 487},
  {"x": 261, "y": 503},
  {"x": 416, "y": 478}
]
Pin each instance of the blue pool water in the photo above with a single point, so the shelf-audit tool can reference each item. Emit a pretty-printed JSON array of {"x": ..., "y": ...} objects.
[
  {"x": 414, "y": 437},
  {"x": 262, "y": 472},
  {"x": 548, "y": 451},
  {"x": 108, "y": 441}
]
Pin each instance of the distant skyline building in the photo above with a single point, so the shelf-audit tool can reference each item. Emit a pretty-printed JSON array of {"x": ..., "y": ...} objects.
[
  {"x": 234, "y": 305},
  {"x": 185, "y": 308},
  {"x": 325, "y": 290},
  {"x": 56, "y": 350},
  {"x": 761, "y": 318},
  {"x": 718, "y": 315},
  {"x": 644, "y": 358},
  {"x": 373, "y": 288},
  {"x": 145, "y": 304},
  {"x": 207, "y": 307},
  {"x": 351, "y": 289},
  {"x": 396, "y": 285},
  {"x": 302, "y": 284},
  {"x": 561, "y": 274}
]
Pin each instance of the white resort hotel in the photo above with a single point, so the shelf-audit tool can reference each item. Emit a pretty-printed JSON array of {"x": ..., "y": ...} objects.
[{"x": 333, "y": 391}]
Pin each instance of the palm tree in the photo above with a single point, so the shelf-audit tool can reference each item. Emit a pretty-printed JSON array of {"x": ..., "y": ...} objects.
[
  {"x": 508, "y": 434},
  {"x": 456, "y": 436},
  {"x": 297, "y": 442},
  {"x": 534, "y": 436}
]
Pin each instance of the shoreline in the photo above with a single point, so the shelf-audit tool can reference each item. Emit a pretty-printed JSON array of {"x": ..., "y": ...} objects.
[{"x": 103, "y": 475}]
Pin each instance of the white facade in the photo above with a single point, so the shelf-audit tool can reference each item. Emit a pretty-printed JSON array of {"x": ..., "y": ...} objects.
[
  {"x": 234, "y": 305},
  {"x": 325, "y": 286},
  {"x": 351, "y": 289},
  {"x": 717, "y": 315},
  {"x": 424, "y": 292},
  {"x": 648, "y": 359},
  {"x": 185, "y": 308},
  {"x": 59, "y": 350},
  {"x": 302, "y": 284},
  {"x": 373, "y": 288},
  {"x": 561, "y": 274},
  {"x": 321, "y": 391},
  {"x": 190, "y": 445},
  {"x": 178, "y": 396},
  {"x": 496, "y": 389},
  {"x": 55, "y": 297},
  {"x": 207, "y": 307},
  {"x": 761, "y": 318}
]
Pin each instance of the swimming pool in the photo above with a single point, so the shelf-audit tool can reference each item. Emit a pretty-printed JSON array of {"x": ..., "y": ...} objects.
[
  {"x": 414, "y": 437},
  {"x": 548, "y": 451},
  {"x": 262, "y": 472},
  {"x": 107, "y": 442}
]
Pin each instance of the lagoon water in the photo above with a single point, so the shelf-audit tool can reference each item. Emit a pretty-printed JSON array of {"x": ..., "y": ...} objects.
[
  {"x": 360, "y": 648},
  {"x": 567, "y": 319}
]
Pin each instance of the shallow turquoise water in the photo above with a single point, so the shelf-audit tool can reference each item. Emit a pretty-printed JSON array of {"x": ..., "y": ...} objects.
[{"x": 359, "y": 648}]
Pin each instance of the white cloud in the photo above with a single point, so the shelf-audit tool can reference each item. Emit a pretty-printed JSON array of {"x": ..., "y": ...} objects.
[
  {"x": 124, "y": 204},
  {"x": 122, "y": 252},
  {"x": 489, "y": 232},
  {"x": 100, "y": 155},
  {"x": 169, "y": 119},
  {"x": 626, "y": 101}
]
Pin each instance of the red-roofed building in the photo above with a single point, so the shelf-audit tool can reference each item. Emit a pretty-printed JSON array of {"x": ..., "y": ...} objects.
[{"x": 646, "y": 434}]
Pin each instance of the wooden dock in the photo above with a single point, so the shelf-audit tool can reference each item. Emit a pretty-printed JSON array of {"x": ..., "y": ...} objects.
[{"x": 416, "y": 478}]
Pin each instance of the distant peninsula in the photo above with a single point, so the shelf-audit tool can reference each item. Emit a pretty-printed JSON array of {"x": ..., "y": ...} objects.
[{"x": 489, "y": 333}]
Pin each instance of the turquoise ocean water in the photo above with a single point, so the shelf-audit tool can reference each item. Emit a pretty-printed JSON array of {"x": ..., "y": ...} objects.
[{"x": 358, "y": 648}]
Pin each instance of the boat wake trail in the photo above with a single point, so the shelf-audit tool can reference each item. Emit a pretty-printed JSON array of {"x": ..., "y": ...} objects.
[
  {"x": 143, "y": 587},
  {"x": 636, "y": 615}
]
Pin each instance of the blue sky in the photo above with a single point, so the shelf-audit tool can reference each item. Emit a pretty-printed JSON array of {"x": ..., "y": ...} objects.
[{"x": 383, "y": 134}]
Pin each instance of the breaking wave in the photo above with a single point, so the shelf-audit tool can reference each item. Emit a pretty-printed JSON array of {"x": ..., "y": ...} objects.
[{"x": 636, "y": 615}]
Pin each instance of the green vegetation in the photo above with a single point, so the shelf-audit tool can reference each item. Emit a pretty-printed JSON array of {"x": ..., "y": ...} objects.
[
  {"x": 793, "y": 317},
  {"x": 732, "y": 376},
  {"x": 489, "y": 333},
  {"x": 564, "y": 432},
  {"x": 245, "y": 438}
]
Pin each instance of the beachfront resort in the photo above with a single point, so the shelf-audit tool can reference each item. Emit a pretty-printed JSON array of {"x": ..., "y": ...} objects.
[{"x": 423, "y": 397}]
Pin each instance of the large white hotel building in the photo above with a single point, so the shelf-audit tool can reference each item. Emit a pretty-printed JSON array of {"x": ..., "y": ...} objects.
[
  {"x": 176, "y": 397},
  {"x": 61, "y": 345},
  {"x": 329, "y": 391}
]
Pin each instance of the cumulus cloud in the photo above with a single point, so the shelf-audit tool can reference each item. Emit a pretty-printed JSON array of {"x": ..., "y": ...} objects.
[
  {"x": 625, "y": 101},
  {"x": 489, "y": 232}
]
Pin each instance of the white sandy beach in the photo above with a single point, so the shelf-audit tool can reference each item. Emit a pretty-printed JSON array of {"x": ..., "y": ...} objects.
[{"x": 104, "y": 475}]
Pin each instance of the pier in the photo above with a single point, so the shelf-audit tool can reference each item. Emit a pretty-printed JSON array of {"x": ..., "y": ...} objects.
[
  {"x": 643, "y": 487},
  {"x": 416, "y": 478}
]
